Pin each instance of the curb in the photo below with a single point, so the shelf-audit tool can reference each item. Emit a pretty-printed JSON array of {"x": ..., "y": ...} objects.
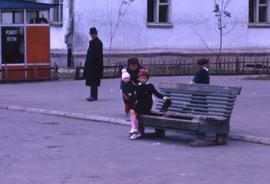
[
  {"x": 250, "y": 138},
  {"x": 117, "y": 121},
  {"x": 80, "y": 116}
]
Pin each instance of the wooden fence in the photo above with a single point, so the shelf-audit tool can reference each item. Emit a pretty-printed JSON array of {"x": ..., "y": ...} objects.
[
  {"x": 182, "y": 67},
  {"x": 156, "y": 67},
  {"x": 28, "y": 73},
  {"x": 225, "y": 67}
]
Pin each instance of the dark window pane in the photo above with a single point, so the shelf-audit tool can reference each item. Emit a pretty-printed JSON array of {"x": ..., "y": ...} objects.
[
  {"x": 262, "y": 14},
  {"x": 163, "y": 13},
  {"x": 150, "y": 10},
  {"x": 58, "y": 11},
  {"x": 12, "y": 45},
  {"x": 37, "y": 17},
  {"x": 251, "y": 10},
  {"x": 262, "y": 1},
  {"x": 163, "y": 1}
]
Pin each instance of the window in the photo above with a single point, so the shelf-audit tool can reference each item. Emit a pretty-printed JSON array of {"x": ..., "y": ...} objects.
[
  {"x": 12, "y": 17},
  {"x": 57, "y": 13},
  {"x": 259, "y": 12},
  {"x": 158, "y": 13},
  {"x": 12, "y": 45},
  {"x": 37, "y": 17}
]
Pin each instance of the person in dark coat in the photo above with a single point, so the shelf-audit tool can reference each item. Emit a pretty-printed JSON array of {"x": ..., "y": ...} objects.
[
  {"x": 93, "y": 67},
  {"x": 202, "y": 76}
]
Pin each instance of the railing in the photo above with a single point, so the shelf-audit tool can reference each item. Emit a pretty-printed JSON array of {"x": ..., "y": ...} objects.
[
  {"x": 221, "y": 68},
  {"x": 182, "y": 67},
  {"x": 28, "y": 73},
  {"x": 156, "y": 68},
  {"x": 108, "y": 71}
]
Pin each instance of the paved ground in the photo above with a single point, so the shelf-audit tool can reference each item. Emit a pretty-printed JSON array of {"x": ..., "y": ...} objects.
[
  {"x": 251, "y": 115},
  {"x": 38, "y": 149}
]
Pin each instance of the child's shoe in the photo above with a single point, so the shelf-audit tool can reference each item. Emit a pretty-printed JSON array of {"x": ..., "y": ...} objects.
[
  {"x": 131, "y": 132},
  {"x": 135, "y": 135}
]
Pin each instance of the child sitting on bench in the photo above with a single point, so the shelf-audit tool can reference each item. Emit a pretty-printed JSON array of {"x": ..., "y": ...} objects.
[{"x": 144, "y": 102}]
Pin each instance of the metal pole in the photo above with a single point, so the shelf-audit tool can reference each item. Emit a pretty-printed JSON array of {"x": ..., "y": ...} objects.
[
  {"x": 69, "y": 56},
  {"x": 69, "y": 34}
]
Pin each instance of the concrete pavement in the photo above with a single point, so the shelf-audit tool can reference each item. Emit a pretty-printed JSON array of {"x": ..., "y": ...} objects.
[
  {"x": 66, "y": 98},
  {"x": 40, "y": 149}
]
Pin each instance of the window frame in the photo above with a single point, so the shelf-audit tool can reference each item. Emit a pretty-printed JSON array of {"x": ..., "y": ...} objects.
[
  {"x": 256, "y": 12},
  {"x": 156, "y": 23},
  {"x": 57, "y": 10}
]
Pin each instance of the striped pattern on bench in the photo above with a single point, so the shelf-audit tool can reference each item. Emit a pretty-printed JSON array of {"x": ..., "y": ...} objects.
[{"x": 212, "y": 102}]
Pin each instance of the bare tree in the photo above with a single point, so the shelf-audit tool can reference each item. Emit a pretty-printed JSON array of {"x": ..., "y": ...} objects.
[
  {"x": 220, "y": 11},
  {"x": 114, "y": 23}
]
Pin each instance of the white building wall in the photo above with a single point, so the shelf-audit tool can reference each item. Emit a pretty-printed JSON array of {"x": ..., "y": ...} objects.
[
  {"x": 190, "y": 18},
  {"x": 58, "y": 33}
]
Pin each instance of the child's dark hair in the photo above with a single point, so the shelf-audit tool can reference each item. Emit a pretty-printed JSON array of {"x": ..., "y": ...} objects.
[
  {"x": 144, "y": 73},
  {"x": 132, "y": 60},
  {"x": 202, "y": 61}
]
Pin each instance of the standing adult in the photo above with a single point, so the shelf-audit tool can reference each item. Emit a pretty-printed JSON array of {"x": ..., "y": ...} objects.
[{"x": 93, "y": 67}]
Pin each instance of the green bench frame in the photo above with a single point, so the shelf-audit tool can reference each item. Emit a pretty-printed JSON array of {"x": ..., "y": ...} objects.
[{"x": 199, "y": 108}]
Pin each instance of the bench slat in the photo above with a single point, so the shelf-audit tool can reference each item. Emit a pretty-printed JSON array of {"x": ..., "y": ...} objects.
[
  {"x": 166, "y": 122},
  {"x": 201, "y": 87},
  {"x": 176, "y": 110},
  {"x": 185, "y": 115},
  {"x": 198, "y": 108},
  {"x": 195, "y": 104},
  {"x": 180, "y": 95},
  {"x": 176, "y": 100},
  {"x": 187, "y": 94},
  {"x": 201, "y": 100},
  {"x": 203, "y": 110}
]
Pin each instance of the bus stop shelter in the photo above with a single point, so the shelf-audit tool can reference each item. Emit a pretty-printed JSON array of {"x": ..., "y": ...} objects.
[{"x": 24, "y": 40}]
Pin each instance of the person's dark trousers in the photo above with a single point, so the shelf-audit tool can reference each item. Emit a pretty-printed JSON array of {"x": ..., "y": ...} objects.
[{"x": 94, "y": 92}]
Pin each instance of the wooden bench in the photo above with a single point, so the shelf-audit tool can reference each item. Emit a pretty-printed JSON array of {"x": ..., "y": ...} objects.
[{"x": 198, "y": 108}]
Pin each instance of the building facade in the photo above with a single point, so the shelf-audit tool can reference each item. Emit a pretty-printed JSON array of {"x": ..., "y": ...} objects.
[{"x": 160, "y": 27}]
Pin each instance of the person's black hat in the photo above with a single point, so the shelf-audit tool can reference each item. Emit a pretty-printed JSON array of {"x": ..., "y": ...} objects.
[
  {"x": 202, "y": 61},
  {"x": 93, "y": 30}
]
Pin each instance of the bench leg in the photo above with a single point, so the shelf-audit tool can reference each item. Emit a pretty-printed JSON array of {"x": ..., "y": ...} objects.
[
  {"x": 159, "y": 132},
  {"x": 221, "y": 139},
  {"x": 200, "y": 140},
  {"x": 141, "y": 128}
]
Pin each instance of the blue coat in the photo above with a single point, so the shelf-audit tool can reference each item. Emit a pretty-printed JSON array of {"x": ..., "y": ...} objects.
[{"x": 201, "y": 77}]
